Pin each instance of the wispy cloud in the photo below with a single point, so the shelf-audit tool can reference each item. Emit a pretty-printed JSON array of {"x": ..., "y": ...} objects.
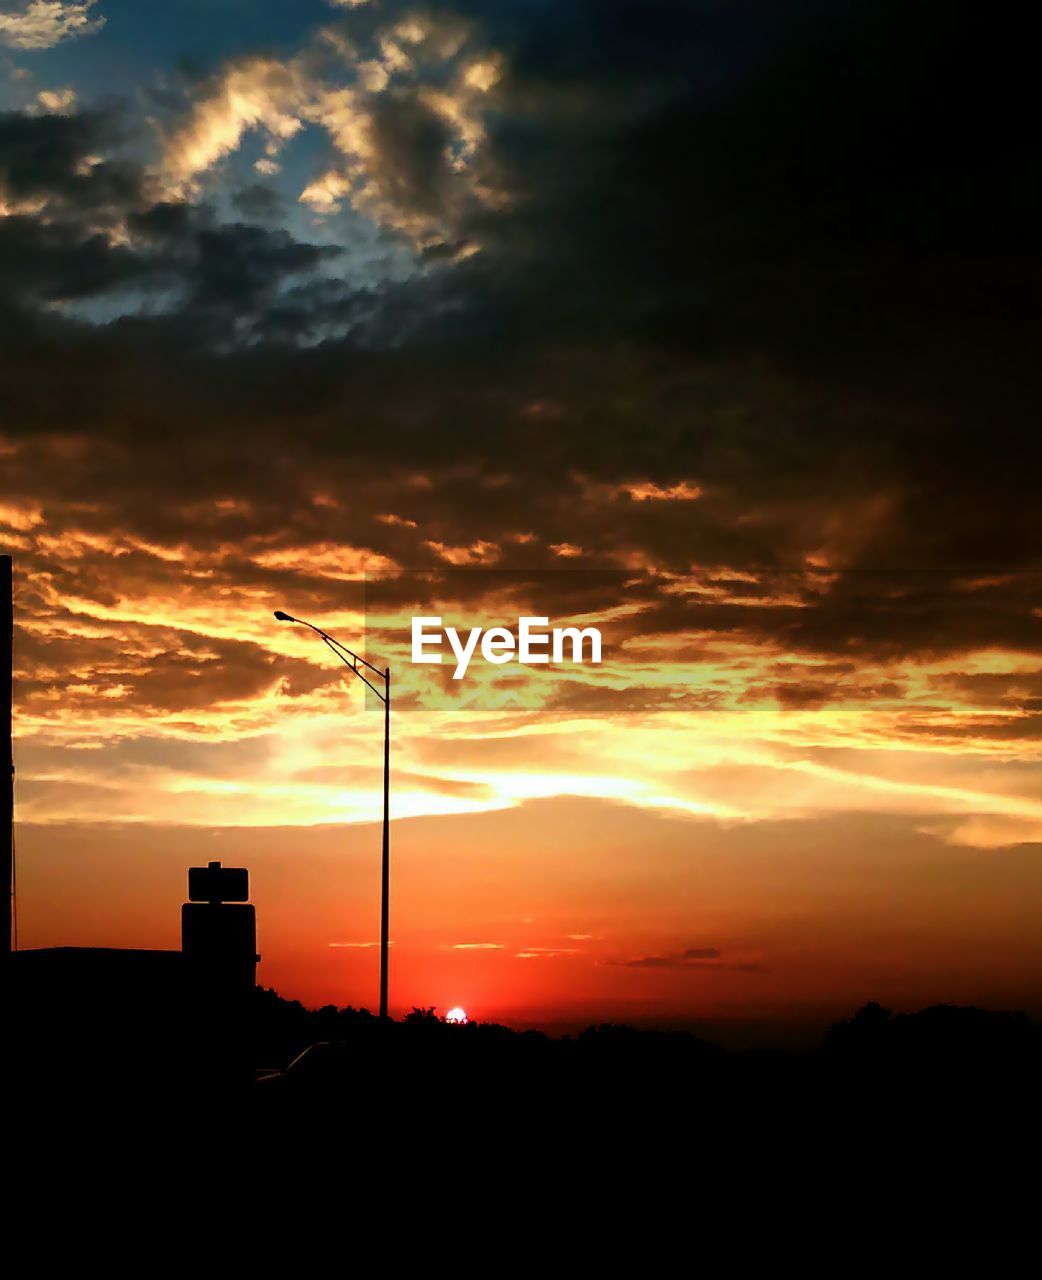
[
  {"x": 356, "y": 946},
  {"x": 692, "y": 958},
  {"x": 44, "y": 23},
  {"x": 57, "y": 100}
]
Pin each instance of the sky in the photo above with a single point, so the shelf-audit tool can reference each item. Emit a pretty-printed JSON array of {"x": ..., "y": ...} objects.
[{"x": 711, "y": 324}]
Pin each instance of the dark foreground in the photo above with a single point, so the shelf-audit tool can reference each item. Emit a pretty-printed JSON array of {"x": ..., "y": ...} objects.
[
  {"x": 317, "y": 1072},
  {"x": 346, "y": 1127},
  {"x": 944, "y": 1066}
]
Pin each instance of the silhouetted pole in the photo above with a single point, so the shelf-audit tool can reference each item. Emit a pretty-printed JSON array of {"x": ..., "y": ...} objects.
[
  {"x": 385, "y": 877},
  {"x": 7, "y": 766},
  {"x": 351, "y": 659}
]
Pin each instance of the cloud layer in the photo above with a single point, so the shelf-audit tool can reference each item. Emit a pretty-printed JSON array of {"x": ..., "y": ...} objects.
[{"x": 736, "y": 300}]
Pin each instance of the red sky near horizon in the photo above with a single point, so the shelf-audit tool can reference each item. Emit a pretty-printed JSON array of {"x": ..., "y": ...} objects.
[{"x": 746, "y": 835}]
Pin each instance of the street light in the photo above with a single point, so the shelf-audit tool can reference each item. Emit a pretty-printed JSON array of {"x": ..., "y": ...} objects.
[{"x": 355, "y": 661}]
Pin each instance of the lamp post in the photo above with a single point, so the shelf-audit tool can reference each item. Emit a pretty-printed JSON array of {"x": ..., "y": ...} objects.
[{"x": 355, "y": 661}]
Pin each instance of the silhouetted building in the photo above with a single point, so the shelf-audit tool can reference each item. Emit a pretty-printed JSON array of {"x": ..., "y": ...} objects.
[{"x": 120, "y": 1019}]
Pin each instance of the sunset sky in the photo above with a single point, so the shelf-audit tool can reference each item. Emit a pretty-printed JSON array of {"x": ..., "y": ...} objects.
[{"x": 711, "y": 324}]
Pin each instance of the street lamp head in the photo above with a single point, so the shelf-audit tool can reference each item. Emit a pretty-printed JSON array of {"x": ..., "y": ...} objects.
[{"x": 283, "y": 617}]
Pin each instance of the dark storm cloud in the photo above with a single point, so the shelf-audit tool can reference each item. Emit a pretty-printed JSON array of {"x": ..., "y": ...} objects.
[
  {"x": 411, "y": 143},
  {"x": 782, "y": 252},
  {"x": 81, "y": 227},
  {"x": 259, "y": 202},
  {"x": 56, "y": 157},
  {"x": 225, "y": 269}
]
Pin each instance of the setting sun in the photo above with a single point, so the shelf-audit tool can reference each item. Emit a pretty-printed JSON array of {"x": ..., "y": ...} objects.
[{"x": 456, "y": 1014}]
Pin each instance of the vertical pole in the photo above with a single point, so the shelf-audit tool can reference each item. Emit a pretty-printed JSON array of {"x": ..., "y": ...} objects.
[
  {"x": 385, "y": 876},
  {"x": 7, "y": 760}
]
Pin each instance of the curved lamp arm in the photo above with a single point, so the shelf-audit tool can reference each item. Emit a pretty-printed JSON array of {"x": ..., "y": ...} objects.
[{"x": 347, "y": 656}]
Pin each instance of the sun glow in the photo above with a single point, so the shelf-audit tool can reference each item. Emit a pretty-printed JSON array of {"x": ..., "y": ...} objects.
[{"x": 456, "y": 1015}]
